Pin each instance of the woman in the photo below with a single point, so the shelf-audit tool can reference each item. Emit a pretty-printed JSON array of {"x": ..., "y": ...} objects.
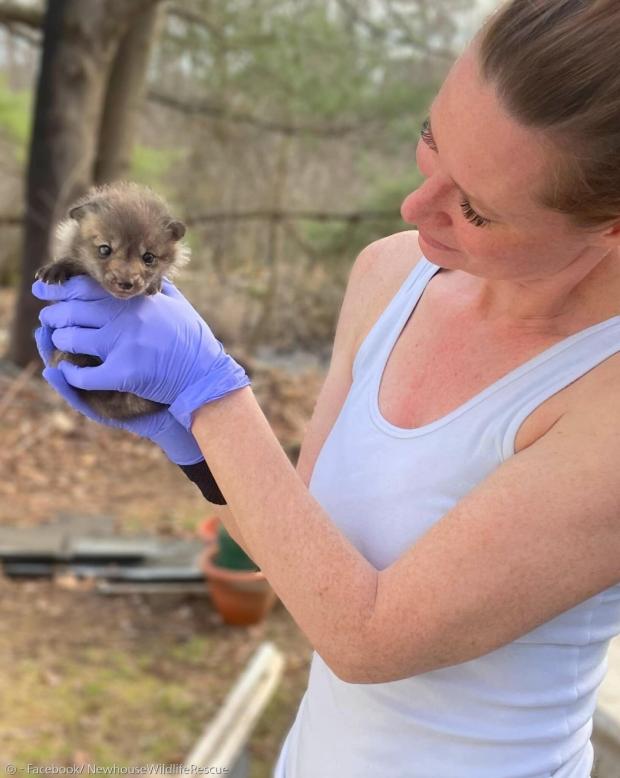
[{"x": 454, "y": 561}]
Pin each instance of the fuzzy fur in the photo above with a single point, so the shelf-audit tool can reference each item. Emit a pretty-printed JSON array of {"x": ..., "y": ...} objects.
[{"x": 135, "y": 224}]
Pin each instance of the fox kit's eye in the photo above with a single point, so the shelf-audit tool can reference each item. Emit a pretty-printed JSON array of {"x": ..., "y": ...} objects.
[
  {"x": 148, "y": 258},
  {"x": 105, "y": 250}
]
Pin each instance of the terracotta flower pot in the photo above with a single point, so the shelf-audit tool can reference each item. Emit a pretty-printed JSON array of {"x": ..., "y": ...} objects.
[
  {"x": 241, "y": 597},
  {"x": 207, "y": 528}
]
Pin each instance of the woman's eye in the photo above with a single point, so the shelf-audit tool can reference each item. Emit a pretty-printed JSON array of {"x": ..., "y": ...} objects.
[
  {"x": 104, "y": 250},
  {"x": 148, "y": 258},
  {"x": 468, "y": 211},
  {"x": 426, "y": 138},
  {"x": 425, "y": 133},
  {"x": 471, "y": 215}
]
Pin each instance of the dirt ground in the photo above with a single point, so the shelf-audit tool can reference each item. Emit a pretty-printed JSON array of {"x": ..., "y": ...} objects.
[{"x": 127, "y": 679}]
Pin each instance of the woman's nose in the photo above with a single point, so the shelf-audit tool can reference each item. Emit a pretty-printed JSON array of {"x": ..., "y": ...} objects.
[
  {"x": 425, "y": 201},
  {"x": 408, "y": 209}
]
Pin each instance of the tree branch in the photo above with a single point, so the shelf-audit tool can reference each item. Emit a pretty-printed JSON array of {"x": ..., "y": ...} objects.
[
  {"x": 206, "y": 108},
  {"x": 266, "y": 215},
  {"x": 11, "y": 220},
  {"x": 28, "y": 34},
  {"x": 16, "y": 13},
  {"x": 281, "y": 216},
  {"x": 194, "y": 17},
  {"x": 404, "y": 34},
  {"x": 13, "y": 12}
]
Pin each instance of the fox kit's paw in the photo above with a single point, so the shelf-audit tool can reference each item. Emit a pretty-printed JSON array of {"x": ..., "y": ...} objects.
[{"x": 53, "y": 273}]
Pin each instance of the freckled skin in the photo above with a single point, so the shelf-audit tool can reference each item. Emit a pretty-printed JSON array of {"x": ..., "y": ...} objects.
[
  {"x": 529, "y": 267},
  {"x": 122, "y": 236}
]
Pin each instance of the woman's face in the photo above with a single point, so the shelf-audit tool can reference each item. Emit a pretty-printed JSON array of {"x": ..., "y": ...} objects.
[{"x": 482, "y": 170}]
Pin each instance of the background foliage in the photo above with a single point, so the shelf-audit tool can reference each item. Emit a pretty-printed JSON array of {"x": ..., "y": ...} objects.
[{"x": 259, "y": 112}]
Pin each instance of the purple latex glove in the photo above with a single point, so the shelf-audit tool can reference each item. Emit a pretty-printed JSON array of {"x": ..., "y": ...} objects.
[
  {"x": 156, "y": 346},
  {"x": 160, "y": 427}
]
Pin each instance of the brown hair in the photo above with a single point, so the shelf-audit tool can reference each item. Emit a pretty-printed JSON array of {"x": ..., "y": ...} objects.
[{"x": 555, "y": 65}]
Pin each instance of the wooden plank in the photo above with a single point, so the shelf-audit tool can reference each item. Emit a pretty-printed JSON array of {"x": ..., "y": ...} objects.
[{"x": 226, "y": 735}]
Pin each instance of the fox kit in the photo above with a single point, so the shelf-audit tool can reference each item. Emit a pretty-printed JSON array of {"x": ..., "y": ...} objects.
[{"x": 122, "y": 236}]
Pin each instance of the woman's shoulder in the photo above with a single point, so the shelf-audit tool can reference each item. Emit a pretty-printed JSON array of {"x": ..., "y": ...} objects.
[
  {"x": 374, "y": 278},
  {"x": 378, "y": 273},
  {"x": 393, "y": 256}
]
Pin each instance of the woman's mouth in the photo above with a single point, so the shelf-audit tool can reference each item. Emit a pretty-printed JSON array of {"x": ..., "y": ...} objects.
[{"x": 434, "y": 243}]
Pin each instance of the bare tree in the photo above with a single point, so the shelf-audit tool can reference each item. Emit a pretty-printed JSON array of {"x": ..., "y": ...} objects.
[
  {"x": 81, "y": 40},
  {"x": 125, "y": 96}
]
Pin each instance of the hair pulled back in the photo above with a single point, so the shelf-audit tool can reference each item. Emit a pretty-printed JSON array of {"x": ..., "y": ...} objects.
[{"x": 555, "y": 66}]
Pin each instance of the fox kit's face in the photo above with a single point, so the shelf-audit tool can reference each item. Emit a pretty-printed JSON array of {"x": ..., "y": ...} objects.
[{"x": 127, "y": 252}]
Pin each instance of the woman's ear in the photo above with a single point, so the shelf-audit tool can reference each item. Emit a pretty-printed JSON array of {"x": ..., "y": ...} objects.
[{"x": 609, "y": 236}]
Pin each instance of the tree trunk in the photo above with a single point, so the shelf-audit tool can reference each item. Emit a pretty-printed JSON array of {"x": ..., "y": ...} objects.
[
  {"x": 80, "y": 40},
  {"x": 124, "y": 97}
]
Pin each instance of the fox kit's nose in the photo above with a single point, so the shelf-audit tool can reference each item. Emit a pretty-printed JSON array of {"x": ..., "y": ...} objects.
[{"x": 124, "y": 285}]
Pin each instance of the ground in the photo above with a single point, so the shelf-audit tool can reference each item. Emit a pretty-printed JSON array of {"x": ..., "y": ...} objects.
[{"x": 127, "y": 679}]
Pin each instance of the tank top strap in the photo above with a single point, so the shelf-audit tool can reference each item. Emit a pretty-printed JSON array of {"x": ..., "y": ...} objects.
[
  {"x": 549, "y": 372},
  {"x": 370, "y": 354}
]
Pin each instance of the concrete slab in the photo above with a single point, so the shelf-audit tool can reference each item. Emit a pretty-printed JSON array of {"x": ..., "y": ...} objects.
[
  {"x": 119, "y": 549},
  {"x": 18, "y": 544},
  {"x": 155, "y": 574},
  {"x": 28, "y": 569},
  {"x": 90, "y": 548},
  {"x": 173, "y": 552},
  {"x": 50, "y": 540}
]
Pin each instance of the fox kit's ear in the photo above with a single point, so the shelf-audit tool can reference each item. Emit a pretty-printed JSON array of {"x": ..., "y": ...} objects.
[
  {"x": 79, "y": 211},
  {"x": 176, "y": 229}
]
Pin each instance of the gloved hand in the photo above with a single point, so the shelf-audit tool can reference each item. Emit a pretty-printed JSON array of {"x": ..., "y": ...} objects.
[
  {"x": 156, "y": 346},
  {"x": 160, "y": 427}
]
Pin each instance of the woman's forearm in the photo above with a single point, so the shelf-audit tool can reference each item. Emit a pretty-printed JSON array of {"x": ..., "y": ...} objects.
[
  {"x": 325, "y": 583},
  {"x": 200, "y": 474},
  {"x": 232, "y": 527}
]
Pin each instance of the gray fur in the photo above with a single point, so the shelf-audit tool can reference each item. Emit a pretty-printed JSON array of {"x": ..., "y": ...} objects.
[{"x": 133, "y": 221}]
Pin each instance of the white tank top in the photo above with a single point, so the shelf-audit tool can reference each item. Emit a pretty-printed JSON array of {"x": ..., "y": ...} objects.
[{"x": 521, "y": 711}]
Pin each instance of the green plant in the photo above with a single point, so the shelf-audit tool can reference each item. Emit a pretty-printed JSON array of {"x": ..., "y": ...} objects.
[{"x": 230, "y": 553}]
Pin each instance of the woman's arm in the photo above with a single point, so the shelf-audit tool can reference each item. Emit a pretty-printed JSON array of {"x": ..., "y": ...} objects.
[
  {"x": 326, "y": 410},
  {"x": 535, "y": 538},
  {"x": 361, "y": 290},
  {"x": 325, "y": 583},
  {"x": 538, "y": 536},
  {"x": 232, "y": 527}
]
